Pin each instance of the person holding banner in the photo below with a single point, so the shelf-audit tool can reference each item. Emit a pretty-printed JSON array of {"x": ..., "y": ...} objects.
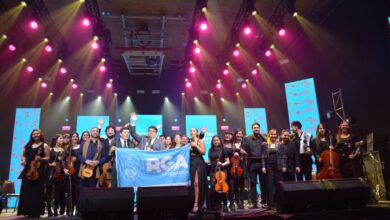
[
  {"x": 148, "y": 143},
  {"x": 198, "y": 172}
]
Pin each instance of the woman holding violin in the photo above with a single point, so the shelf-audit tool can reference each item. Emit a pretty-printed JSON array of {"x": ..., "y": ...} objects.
[
  {"x": 219, "y": 162},
  {"x": 55, "y": 177},
  {"x": 274, "y": 164},
  {"x": 71, "y": 169},
  {"x": 237, "y": 169},
  {"x": 198, "y": 172},
  {"x": 35, "y": 156}
]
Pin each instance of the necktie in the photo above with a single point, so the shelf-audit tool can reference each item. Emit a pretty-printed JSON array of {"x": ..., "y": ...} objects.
[{"x": 125, "y": 144}]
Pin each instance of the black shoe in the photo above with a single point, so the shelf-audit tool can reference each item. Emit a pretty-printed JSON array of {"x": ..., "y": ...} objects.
[
  {"x": 62, "y": 211},
  {"x": 55, "y": 212},
  {"x": 50, "y": 214},
  {"x": 232, "y": 208},
  {"x": 240, "y": 206}
]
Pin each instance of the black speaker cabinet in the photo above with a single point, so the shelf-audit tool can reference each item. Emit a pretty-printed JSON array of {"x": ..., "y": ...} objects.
[
  {"x": 318, "y": 195},
  {"x": 107, "y": 203},
  {"x": 163, "y": 202}
]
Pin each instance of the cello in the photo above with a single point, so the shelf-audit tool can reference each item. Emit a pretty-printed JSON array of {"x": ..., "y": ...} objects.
[{"x": 330, "y": 159}]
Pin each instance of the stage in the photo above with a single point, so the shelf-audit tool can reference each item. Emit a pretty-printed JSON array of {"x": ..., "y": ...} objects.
[{"x": 371, "y": 212}]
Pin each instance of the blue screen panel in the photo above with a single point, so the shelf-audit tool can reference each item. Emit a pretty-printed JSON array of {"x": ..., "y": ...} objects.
[
  {"x": 200, "y": 121},
  {"x": 85, "y": 123},
  {"x": 26, "y": 119},
  {"x": 258, "y": 115},
  {"x": 144, "y": 121},
  {"x": 302, "y": 104}
]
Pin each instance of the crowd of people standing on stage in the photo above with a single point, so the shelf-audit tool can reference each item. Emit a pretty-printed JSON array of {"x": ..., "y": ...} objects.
[{"x": 235, "y": 162}]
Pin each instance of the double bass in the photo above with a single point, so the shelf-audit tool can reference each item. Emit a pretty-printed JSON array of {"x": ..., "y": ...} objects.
[{"x": 330, "y": 159}]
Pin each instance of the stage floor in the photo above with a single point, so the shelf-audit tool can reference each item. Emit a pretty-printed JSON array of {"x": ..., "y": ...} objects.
[{"x": 371, "y": 212}]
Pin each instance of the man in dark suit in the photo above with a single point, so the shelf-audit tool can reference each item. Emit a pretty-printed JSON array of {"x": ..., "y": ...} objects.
[
  {"x": 293, "y": 163},
  {"x": 149, "y": 142},
  {"x": 122, "y": 142}
]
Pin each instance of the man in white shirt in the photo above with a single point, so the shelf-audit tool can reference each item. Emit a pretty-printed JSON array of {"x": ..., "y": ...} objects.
[{"x": 303, "y": 142}]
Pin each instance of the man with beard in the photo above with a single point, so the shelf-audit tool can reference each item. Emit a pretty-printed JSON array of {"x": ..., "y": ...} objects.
[
  {"x": 292, "y": 156},
  {"x": 92, "y": 153},
  {"x": 252, "y": 145}
]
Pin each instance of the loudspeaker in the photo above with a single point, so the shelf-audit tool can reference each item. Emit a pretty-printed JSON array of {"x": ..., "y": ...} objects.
[
  {"x": 107, "y": 203},
  {"x": 321, "y": 194},
  {"x": 163, "y": 202}
]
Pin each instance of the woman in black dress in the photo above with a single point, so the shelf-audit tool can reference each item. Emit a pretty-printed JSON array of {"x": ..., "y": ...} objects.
[
  {"x": 322, "y": 143},
  {"x": 218, "y": 158},
  {"x": 274, "y": 164},
  {"x": 198, "y": 172},
  {"x": 31, "y": 202},
  {"x": 238, "y": 181},
  {"x": 72, "y": 185}
]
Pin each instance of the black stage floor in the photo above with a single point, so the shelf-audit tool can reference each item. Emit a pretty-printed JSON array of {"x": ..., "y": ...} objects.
[{"x": 371, "y": 212}]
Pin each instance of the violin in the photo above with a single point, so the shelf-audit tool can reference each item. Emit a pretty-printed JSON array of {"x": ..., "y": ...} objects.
[
  {"x": 330, "y": 160},
  {"x": 221, "y": 185},
  {"x": 57, "y": 172},
  {"x": 236, "y": 170},
  {"x": 32, "y": 173},
  {"x": 69, "y": 162}
]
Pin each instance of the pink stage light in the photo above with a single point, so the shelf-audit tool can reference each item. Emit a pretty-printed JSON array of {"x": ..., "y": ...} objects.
[
  {"x": 63, "y": 70},
  {"x": 197, "y": 50},
  {"x": 219, "y": 85},
  {"x": 236, "y": 53},
  {"x": 188, "y": 84},
  {"x": 243, "y": 85},
  {"x": 192, "y": 69},
  {"x": 247, "y": 31},
  {"x": 86, "y": 22},
  {"x": 43, "y": 85},
  {"x": 12, "y": 47},
  {"x": 282, "y": 32},
  {"x": 30, "y": 69},
  {"x": 74, "y": 86},
  {"x": 254, "y": 72},
  {"x": 203, "y": 26},
  {"x": 33, "y": 24},
  {"x": 102, "y": 68},
  {"x": 225, "y": 72},
  {"x": 48, "y": 48},
  {"x": 95, "y": 45},
  {"x": 109, "y": 85},
  {"x": 268, "y": 53}
]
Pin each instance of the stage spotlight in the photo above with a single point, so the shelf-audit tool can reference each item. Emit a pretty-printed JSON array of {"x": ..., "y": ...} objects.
[
  {"x": 115, "y": 94},
  {"x": 243, "y": 85},
  {"x": 103, "y": 60},
  {"x": 236, "y": 53},
  {"x": 95, "y": 45},
  {"x": 86, "y": 22},
  {"x": 204, "y": 9},
  {"x": 81, "y": 94},
  {"x": 24, "y": 60},
  {"x": 128, "y": 98},
  {"x": 166, "y": 98},
  {"x": 48, "y": 48},
  {"x": 203, "y": 26},
  {"x": 247, "y": 30},
  {"x": 237, "y": 44},
  {"x": 51, "y": 93},
  {"x": 4, "y": 36},
  {"x": 109, "y": 85},
  {"x": 227, "y": 64},
  {"x": 195, "y": 42},
  {"x": 219, "y": 85},
  {"x": 67, "y": 98},
  {"x": 295, "y": 14},
  {"x": 111, "y": 80},
  {"x": 23, "y": 3},
  {"x": 59, "y": 61},
  {"x": 63, "y": 70},
  {"x": 272, "y": 46},
  {"x": 268, "y": 53},
  {"x": 257, "y": 64},
  {"x": 71, "y": 80},
  {"x": 182, "y": 93},
  {"x": 119, "y": 120},
  {"x": 45, "y": 39},
  {"x": 197, "y": 50},
  {"x": 186, "y": 80},
  {"x": 33, "y": 24},
  {"x": 192, "y": 69},
  {"x": 74, "y": 86},
  {"x": 282, "y": 32},
  {"x": 11, "y": 47},
  {"x": 225, "y": 72},
  {"x": 254, "y": 72},
  {"x": 247, "y": 80},
  {"x": 224, "y": 119},
  {"x": 188, "y": 84},
  {"x": 39, "y": 79},
  {"x": 237, "y": 93},
  {"x": 254, "y": 13},
  {"x": 99, "y": 97},
  {"x": 30, "y": 69},
  {"x": 95, "y": 38},
  {"x": 222, "y": 99},
  {"x": 43, "y": 85},
  {"x": 211, "y": 94},
  {"x": 102, "y": 68},
  {"x": 196, "y": 98}
]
